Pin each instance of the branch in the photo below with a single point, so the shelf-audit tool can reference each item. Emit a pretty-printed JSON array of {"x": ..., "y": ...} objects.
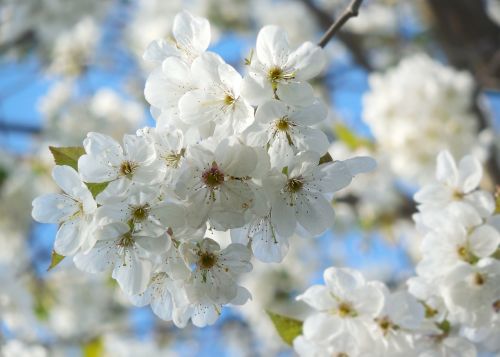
[
  {"x": 19, "y": 128},
  {"x": 351, "y": 11},
  {"x": 350, "y": 40}
]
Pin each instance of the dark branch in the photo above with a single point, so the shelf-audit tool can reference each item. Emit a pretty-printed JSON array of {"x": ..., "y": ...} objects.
[
  {"x": 18, "y": 128},
  {"x": 350, "y": 11},
  {"x": 350, "y": 40}
]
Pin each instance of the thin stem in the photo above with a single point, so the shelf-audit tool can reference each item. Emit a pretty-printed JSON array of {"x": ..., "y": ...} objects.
[{"x": 350, "y": 11}]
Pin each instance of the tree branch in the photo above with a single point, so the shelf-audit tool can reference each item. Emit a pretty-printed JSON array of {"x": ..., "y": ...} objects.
[
  {"x": 350, "y": 11},
  {"x": 19, "y": 128},
  {"x": 350, "y": 40}
]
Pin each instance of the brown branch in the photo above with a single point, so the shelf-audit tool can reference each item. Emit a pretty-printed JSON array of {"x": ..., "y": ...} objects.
[
  {"x": 349, "y": 12},
  {"x": 350, "y": 40}
]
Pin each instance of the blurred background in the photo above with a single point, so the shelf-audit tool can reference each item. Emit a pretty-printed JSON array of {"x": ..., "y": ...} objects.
[{"x": 404, "y": 80}]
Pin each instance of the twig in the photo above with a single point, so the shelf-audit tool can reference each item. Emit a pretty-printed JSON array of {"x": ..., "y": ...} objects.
[
  {"x": 351, "y": 40},
  {"x": 350, "y": 11}
]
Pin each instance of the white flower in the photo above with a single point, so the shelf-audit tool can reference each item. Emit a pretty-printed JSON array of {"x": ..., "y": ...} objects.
[
  {"x": 344, "y": 345},
  {"x": 165, "y": 86},
  {"x": 267, "y": 245},
  {"x": 106, "y": 161},
  {"x": 301, "y": 194},
  {"x": 453, "y": 243},
  {"x": 191, "y": 37},
  {"x": 170, "y": 146},
  {"x": 120, "y": 249},
  {"x": 472, "y": 292},
  {"x": 216, "y": 184},
  {"x": 456, "y": 184},
  {"x": 73, "y": 210},
  {"x": 452, "y": 346},
  {"x": 161, "y": 294},
  {"x": 400, "y": 318},
  {"x": 218, "y": 97},
  {"x": 216, "y": 270},
  {"x": 285, "y": 130},
  {"x": 437, "y": 106},
  {"x": 277, "y": 71},
  {"x": 144, "y": 211},
  {"x": 347, "y": 305}
]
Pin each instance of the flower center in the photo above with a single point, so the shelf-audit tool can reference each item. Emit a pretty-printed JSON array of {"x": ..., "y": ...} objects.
[
  {"x": 479, "y": 279},
  {"x": 213, "y": 177},
  {"x": 345, "y": 310},
  {"x": 173, "y": 159},
  {"x": 140, "y": 213},
  {"x": 386, "y": 324},
  {"x": 207, "y": 260},
  {"x": 294, "y": 185},
  {"x": 127, "y": 168},
  {"x": 282, "y": 124},
  {"x": 275, "y": 74},
  {"x": 126, "y": 240},
  {"x": 229, "y": 100},
  {"x": 457, "y": 195}
]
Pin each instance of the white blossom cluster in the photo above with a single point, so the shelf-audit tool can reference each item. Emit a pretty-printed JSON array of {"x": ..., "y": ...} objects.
[
  {"x": 227, "y": 153},
  {"x": 420, "y": 98},
  {"x": 452, "y": 306}
]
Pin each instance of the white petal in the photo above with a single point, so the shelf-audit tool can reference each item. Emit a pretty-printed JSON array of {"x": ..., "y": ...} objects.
[
  {"x": 484, "y": 241},
  {"x": 158, "y": 50},
  {"x": 434, "y": 193},
  {"x": 470, "y": 173},
  {"x": 191, "y": 32},
  {"x": 361, "y": 164},
  {"x": 98, "y": 259},
  {"x": 322, "y": 326},
  {"x": 338, "y": 175},
  {"x": 342, "y": 280},
  {"x": 53, "y": 208},
  {"x": 68, "y": 180},
  {"x": 138, "y": 149},
  {"x": 319, "y": 298},
  {"x": 306, "y": 138},
  {"x": 308, "y": 61},
  {"x": 256, "y": 89},
  {"x": 283, "y": 217},
  {"x": 97, "y": 144},
  {"x": 314, "y": 213},
  {"x": 236, "y": 160},
  {"x": 133, "y": 273},
  {"x": 272, "y": 47},
  {"x": 446, "y": 170},
  {"x": 296, "y": 93},
  {"x": 69, "y": 238},
  {"x": 95, "y": 171}
]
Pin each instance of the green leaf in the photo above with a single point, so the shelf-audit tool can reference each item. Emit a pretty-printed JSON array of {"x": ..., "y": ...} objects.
[
  {"x": 67, "y": 155},
  {"x": 96, "y": 188},
  {"x": 325, "y": 158},
  {"x": 55, "y": 260},
  {"x": 348, "y": 137},
  {"x": 287, "y": 327},
  {"x": 93, "y": 348}
]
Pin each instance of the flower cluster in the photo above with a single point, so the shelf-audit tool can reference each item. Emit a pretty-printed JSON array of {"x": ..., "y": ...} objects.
[
  {"x": 227, "y": 153},
  {"x": 445, "y": 121},
  {"x": 450, "y": 307}
]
